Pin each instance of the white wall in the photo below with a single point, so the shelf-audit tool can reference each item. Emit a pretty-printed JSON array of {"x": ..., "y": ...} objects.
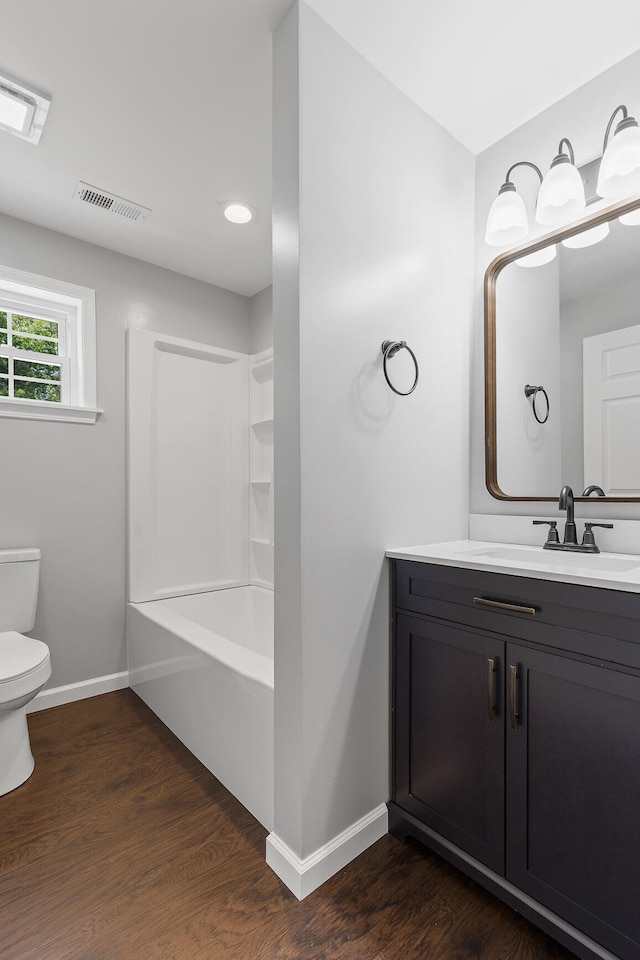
[
  {"x": 373, "y": 206},
  {"x": 63, "y": 485},
  {"x": 582, "y": 116}
]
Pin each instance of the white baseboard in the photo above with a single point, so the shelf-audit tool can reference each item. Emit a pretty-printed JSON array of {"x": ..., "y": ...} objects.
[
  {"x": 78, "y": 691},
  {"x": 302, "y": 877}
]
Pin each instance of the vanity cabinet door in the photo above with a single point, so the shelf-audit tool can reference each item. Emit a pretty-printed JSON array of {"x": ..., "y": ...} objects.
[
  {"x": 573, "y": 794},
  {"x": 449, "y": 734}
]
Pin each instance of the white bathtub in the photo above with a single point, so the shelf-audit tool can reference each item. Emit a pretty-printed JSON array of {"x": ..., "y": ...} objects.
[{"x": 204, "y": 664}]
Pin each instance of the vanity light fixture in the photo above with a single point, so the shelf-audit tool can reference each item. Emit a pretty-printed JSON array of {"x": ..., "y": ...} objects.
[
  {"x": 620, "y": 167},
  {"x": 236, "y": 212},
  {"x": 507, "y": 222},
  {"x": 561, "y": 198},
  {"x": 22, "y": 111}
]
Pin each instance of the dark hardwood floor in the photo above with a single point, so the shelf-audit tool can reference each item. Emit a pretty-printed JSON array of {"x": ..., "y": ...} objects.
[{"x": 122, "y": 846}]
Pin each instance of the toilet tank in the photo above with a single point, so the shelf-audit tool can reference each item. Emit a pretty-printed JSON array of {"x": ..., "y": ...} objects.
[{"x": 19, "y": 574}]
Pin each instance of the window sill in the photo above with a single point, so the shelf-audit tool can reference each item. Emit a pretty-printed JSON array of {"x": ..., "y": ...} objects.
[{"x": 41, "y": 410}]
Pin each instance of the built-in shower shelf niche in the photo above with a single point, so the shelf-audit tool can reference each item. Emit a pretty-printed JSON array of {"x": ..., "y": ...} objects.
[
  {"x": 262, "y": 370},
  {"x": 263, "y": 426},
  {"x": 261, "y": 526},
  {"x": 262, "y": 562},
  {"x": 261, "y": 469}
]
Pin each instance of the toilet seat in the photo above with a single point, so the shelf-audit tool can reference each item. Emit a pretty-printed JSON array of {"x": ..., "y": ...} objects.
[
  {"x": 20, "y": 655},
  {"x": 25, "y": 664}
]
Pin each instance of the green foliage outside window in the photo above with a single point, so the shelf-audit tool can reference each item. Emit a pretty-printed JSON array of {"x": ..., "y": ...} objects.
[
  {"x": 35, "y": 346},
  {"x": 30, "y": 325},
  {"x": 25, "y": 390},
  {"x": 25, "y": 333},
  {"x": 42, "y": 328},
  {"x": 31, "y": 368}
]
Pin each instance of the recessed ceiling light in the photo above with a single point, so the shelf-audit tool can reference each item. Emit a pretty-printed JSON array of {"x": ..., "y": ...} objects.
[
  {"x": 237, "y": 212},
  {"x": 22, "y": 111}
]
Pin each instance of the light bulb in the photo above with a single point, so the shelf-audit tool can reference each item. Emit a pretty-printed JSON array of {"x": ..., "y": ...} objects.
[{"x": 507, "y": 222}]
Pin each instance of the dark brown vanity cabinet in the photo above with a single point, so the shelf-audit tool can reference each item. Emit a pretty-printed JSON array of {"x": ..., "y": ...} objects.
[{"x": 516, "y": 744}]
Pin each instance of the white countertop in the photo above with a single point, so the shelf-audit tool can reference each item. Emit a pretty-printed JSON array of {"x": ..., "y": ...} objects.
[{"x": 613, "y": 571}]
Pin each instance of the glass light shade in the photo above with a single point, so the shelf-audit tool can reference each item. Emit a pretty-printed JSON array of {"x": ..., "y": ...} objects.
[
  {"x": 630, "y": 219},
  {"x": 587, "y": 238},
  {"x": 561, "y": 197},
  {"x": 537, "y": 259},
  {"x": 507, "y": 222},
  {"x": 620, "y": 167}
]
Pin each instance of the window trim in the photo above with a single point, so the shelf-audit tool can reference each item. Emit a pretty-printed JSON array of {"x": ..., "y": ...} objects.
[{"x": 80, "y": 303}]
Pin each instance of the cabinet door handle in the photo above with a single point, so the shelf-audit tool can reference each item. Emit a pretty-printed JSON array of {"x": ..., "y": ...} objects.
[
  {"x": 501, "y": 605},
  {"x": 513, "y": 697},
  {"x": 491, "y": 688}
]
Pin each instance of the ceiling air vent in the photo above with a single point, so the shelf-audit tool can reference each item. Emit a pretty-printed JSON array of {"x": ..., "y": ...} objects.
[{"x": 109, "y": 202}]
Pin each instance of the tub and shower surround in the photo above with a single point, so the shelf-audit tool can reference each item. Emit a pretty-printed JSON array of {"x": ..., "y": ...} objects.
[
  {"x": 204, "y": 664},
  {"x": 200, "y": 616}
]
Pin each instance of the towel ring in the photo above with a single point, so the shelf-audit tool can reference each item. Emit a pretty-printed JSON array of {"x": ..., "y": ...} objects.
[
  {"x": 389, "y": 349},
  {"x": 534, "y": 391}
]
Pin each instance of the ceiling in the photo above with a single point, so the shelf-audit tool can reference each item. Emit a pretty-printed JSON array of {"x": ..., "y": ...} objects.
[{"x": 169, "y": 105}]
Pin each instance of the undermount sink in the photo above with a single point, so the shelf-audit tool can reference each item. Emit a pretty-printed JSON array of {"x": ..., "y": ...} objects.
[{"x": 554, "y": 558}]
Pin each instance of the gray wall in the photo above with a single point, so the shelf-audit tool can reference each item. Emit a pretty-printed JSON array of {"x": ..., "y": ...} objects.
[
  {"x": 261, "y": 320},
  {"x": 582, "y": 116},
  {"x": 63, "y": 485},
  {"x": 373, "y": 208}
]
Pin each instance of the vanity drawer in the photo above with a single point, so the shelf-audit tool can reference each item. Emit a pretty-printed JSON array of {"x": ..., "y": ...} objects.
[{"x": 592, "y": 621}]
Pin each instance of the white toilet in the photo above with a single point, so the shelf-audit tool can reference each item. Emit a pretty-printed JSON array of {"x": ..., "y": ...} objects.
[{"x": 25, "y": 664}]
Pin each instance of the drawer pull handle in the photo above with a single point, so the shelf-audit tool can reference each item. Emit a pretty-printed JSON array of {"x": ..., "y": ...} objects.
[
  {"x": 513, "y": 697},
  {"x": 500, "y": 605},
  {"x": 491, "y": 688}
]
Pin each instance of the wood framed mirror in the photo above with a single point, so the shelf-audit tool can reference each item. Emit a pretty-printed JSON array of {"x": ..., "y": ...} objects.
[{"x": 562, "y": 313}]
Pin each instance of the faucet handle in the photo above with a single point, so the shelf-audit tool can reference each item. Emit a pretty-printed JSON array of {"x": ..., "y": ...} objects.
[
  {"x": 588, "y": 539},
  {"x": 552, "y": 536}
]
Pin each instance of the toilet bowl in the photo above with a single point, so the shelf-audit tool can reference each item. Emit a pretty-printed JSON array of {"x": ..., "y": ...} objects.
[
  {"x": 25, "y": 663},
  {"x": 25, "y": 666}
]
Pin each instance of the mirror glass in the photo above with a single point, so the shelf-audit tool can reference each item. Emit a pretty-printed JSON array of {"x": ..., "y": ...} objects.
[{"x": 571, "y": 326}]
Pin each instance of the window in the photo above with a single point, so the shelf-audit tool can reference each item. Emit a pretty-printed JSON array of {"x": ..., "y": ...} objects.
[
  {"x": 47, "y": 349},
  {"x": 35, "y": 356}
]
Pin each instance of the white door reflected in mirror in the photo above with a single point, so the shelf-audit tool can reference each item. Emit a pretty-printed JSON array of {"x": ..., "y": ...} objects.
[{"x": 611, "y": 386}]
